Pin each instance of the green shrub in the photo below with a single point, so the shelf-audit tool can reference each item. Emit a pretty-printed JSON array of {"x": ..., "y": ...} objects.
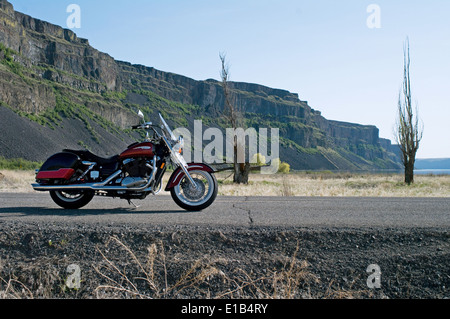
[
  {"x": 284, "y": 168},
  {"x": 18, "y": 164}
]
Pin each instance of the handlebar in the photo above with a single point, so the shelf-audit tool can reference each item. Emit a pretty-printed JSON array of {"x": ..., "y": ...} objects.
[{"x": 145, "y": 126}]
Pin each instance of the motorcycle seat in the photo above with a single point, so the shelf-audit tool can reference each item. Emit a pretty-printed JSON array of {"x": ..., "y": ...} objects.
[{"x": 90, "y": 157}]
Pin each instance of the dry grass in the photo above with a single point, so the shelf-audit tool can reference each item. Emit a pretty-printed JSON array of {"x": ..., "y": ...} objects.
[
  {"x": 29, "y": 281},
  {"x": 294, "y": 184},
  {"x": 148, "y": 278},
  {"x": 14, "y": 289},
  {"x": 16, "y": 181},
  {"x": 337, "y": 184}
]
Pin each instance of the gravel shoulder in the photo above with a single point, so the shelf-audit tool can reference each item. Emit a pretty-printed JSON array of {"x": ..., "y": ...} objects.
[{"x": 196, "y": 262}]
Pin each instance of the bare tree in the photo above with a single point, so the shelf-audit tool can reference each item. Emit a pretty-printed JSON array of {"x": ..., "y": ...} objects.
[
  {"x": 232, "y": 114},
  {"x": 408, "y": 132}
]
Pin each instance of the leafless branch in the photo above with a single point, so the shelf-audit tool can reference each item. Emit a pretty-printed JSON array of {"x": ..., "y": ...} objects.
[{"x": 408, "y": 131}]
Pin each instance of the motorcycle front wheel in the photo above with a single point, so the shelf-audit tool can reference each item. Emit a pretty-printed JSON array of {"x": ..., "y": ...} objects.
[
  {"x": 72, "y": 200},
  {"x": 196, "y": 198}
]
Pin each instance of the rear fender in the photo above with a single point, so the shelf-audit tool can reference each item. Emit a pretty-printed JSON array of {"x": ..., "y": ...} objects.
[{"x": 178, "y": 174}]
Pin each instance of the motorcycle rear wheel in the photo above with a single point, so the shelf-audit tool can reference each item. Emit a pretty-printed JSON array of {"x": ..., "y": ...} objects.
[{"x": 72, "y": 200}]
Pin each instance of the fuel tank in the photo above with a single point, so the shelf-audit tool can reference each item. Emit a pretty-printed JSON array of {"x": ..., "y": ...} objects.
[{"x": 146, "y": 149}]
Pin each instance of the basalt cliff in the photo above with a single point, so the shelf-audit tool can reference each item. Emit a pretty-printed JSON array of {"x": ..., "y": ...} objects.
[{"x": 56, "y": 91}]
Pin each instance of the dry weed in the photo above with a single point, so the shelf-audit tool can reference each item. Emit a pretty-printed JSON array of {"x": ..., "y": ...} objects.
[
  {"x": 204, "y": 278},
  {"x": 150, "y": 279},
  {"x": 346, "y": 293},
  {"x": 14, "y": 289},
  {"x": 286, "y": 187}
]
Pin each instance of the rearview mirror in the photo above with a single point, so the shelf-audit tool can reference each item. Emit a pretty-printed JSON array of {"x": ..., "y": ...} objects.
[{"x": 141, "y": 115}]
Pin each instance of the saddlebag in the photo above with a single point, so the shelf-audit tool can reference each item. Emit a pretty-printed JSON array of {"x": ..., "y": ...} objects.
[{"x": 59, "y": 166}]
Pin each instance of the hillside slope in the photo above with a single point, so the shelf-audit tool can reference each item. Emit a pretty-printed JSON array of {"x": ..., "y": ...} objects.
[{"x": 62, "y": 92}]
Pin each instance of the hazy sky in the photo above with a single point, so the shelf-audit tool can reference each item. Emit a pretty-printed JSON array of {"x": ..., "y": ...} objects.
[{"x": 324, "y": 50}]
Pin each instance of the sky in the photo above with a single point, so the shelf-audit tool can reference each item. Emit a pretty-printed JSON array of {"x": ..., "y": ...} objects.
[{"x": 344, "y": 57}]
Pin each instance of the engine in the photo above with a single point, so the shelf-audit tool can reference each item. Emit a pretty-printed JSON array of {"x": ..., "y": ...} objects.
[
  {"x": 137, "y": 172},
  {"x": 139, "y": 167}
]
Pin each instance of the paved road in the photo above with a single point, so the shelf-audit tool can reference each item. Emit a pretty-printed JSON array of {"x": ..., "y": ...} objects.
[{"x": 238, "y": 211}]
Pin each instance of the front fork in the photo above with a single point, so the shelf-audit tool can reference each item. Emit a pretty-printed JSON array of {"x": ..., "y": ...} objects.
[
  {"x": 186, "y": 172},
  {"x": 179, "y": 160}
]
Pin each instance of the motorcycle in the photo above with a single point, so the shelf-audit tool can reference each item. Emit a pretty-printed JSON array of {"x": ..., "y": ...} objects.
[{"x": 74, "y": 177}]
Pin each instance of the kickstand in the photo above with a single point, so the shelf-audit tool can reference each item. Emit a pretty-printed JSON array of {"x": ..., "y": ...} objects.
[{"x": 131, "y": 203}]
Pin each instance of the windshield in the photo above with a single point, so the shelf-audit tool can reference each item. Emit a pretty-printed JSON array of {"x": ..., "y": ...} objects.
[{"x": 167, "y": 128}]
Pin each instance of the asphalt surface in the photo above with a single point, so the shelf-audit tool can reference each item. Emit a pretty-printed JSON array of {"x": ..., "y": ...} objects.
[{"x": 237, "y": 211}]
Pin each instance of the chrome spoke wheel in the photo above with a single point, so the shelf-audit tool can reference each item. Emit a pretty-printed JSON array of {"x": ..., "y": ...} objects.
[
  {"x": 68, "y": 196},
  {"x": 72, "y": 199},
  {"x": 198, "y": 197}
]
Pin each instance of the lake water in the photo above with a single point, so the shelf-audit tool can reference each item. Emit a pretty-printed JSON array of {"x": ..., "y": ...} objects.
[{"x": 432, "y": 171}]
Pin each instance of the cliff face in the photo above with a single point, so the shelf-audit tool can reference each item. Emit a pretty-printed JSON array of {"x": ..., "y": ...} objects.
[
  {"x": 49, "y": 75},
  {"x": 40, "y": 42}
]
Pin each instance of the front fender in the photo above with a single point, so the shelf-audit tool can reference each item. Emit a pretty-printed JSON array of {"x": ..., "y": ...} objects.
[{"x": 178, "y": 174}]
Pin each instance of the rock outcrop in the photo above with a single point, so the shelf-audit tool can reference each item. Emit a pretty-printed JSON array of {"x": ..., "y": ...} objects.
[{"x": 49, "y": 75}]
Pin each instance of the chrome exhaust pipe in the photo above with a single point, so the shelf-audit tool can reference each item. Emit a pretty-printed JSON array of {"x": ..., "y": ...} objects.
[
  {"x": 99, "y": 186},
  {"x": 109, "y": 179},
  {"x": 44, "y": 188}
]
